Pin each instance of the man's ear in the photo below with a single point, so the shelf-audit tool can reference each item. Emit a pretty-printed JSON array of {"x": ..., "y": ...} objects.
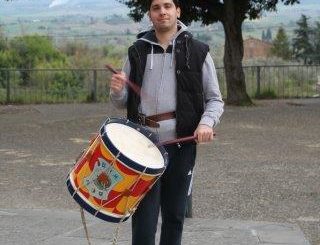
[{"x": 178, "y": 12}]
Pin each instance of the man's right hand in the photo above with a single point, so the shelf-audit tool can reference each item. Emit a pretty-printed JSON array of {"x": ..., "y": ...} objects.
[{"x": 118, "y": 82}]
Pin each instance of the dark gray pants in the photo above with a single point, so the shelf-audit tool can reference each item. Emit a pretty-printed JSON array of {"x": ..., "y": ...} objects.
[{"x": 169, "y": 193}]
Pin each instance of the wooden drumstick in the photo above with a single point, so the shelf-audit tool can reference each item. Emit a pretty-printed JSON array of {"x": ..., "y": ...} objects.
[
  {"x": 133, "y": 86},
  {"x": 179, "y": 140}
]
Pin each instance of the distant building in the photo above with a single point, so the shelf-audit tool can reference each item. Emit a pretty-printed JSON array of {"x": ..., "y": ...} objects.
[{"x": 255, "y": 48}]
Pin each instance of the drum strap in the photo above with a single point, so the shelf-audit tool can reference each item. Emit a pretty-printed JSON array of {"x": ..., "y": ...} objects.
[
  {"x": 85, "y": 225},
  {"x": 116, "y": 231},
  {"x": 131, "y": 211},
  {"x": 115, "y": 235}
]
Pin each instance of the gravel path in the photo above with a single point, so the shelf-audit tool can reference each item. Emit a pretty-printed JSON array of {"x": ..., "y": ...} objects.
[{"x": 263, "y": 166}]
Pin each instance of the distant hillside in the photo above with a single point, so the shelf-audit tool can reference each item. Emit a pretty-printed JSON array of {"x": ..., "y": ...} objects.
[
  {"x": 39, "y": 8},
  {"x": 95, "y": 21},
  {"x": 310, "y": 8},
  {"x": 98, "y": 8}
]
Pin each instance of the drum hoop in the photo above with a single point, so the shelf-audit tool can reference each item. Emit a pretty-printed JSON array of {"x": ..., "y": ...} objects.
[
  {"x": 129, "y": 167},
  {"x": 85, "y": 205},
  {"x": 123, "y": 158}
]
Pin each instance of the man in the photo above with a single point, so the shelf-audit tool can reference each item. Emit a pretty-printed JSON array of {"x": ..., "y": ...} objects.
[{"x": 179, "y": 97}]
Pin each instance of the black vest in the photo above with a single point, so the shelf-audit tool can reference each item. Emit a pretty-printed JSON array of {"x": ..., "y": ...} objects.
[{"x": 190, "y": 55}]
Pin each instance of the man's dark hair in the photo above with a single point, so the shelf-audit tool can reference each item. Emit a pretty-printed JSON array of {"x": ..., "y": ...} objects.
[{"x": 176, "y": 3}]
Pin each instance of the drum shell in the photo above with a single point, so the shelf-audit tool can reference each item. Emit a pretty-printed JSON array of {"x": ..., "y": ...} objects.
[{"x": 118, "y": 200}]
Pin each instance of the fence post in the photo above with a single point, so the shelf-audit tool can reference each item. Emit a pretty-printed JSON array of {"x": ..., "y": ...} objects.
[
  {"x": 8, "y": 87},
  {"x": 258, "y": 81},
  {"x": 94, "y": 88}
]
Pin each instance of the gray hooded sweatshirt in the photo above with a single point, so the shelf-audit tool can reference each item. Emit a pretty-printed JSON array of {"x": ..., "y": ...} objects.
[{"x": 159, "y": 88}]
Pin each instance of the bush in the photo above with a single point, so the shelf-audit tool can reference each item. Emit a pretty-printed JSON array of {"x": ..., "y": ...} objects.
[
  {"x": 65, "y": 84},
  {"x": 268, "y": 94}
]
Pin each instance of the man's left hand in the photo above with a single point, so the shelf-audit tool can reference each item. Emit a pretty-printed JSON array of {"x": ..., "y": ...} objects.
[{"x": 204, "y": 133}]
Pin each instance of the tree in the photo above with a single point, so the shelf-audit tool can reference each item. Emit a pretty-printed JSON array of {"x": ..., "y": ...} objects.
[
  {"x": 33, "y": 50},
  {"x": 316, "y": 45},
  {"x": 232, "y": 15},
  {"x": 302, "y": 47},
  {"x": 269, "y": 35},
  {"x": 3, "y": 41},
  {"x": 7, "y": 60},
  {"x": 263, "y": 36},
  {"x": 281, "y": 45}
]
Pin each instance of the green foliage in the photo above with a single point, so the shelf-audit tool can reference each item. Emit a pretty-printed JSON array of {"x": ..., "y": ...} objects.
[
  {"x": 116, "y": 52},
  {"x": 267, "y": 94},
  {"x": 59, "y": 83},
  {"x": 64, "y": 83},
  {"x": 316, "y": 33},
  {"x": 302, "y": 47},
  {"x": 7, "y": 60},
  {"x": 281, "y": 45},
  {"x": 114, "y": 55},
  {"x": 70, "y": 49},
  {"x": 81, "y": 55},
  {"x": 3, "y": 42},
  {"x": 35, "y": 49},
  {"x": 50, "y": 78},
  {"x": 31, "y": 51}
]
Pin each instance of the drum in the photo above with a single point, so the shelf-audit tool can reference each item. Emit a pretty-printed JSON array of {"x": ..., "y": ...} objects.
[{"x": 116, "y": 171}]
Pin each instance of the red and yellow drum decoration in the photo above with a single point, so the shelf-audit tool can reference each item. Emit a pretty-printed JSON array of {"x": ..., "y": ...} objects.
[{"x": 120, "y": 166}]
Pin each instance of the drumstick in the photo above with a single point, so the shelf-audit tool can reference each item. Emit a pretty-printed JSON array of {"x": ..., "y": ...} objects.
[
  {"x": 133, "y": 86},
  {"x": 179, "y": 140}
]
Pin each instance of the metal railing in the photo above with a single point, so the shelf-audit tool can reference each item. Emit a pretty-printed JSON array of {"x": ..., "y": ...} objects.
[
  {"x": 91, "y": 85},
  {"x": 285, "y": 81},
  {"x": 53, "y": 85}
]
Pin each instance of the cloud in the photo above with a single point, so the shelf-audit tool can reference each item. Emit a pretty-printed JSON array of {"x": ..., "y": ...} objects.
[{"x": 58, "y": 2}]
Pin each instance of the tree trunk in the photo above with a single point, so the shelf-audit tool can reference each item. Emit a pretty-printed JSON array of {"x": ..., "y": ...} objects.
[{"x": 233, "y": 54}]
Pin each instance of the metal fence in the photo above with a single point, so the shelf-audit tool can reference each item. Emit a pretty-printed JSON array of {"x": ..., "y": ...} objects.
[
  {"x": 286, "y": 81},
  {"x": 53, "y": 85},
  {"x": 91, "y": 85}
]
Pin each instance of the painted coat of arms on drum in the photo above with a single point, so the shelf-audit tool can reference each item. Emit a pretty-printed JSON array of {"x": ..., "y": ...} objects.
[{"x": 102, "y": 179}]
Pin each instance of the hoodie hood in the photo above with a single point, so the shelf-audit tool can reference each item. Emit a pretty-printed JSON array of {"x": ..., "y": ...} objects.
[{"x": 149, "y": 36}]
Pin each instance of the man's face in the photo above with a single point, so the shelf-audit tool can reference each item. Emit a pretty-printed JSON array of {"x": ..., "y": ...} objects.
[{"x": 164, "y": 14}]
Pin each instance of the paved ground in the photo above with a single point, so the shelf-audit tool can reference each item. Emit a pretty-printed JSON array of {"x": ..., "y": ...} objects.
[
  {"x": 260, "y": 175},
  {"x": 53, "y": 227}
]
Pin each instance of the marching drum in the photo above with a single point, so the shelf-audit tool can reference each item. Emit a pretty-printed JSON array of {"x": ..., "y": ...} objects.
[{"x": 116, "y": 171}]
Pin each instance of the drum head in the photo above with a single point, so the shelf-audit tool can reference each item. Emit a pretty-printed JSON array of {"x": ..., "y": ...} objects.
[{"x": 135, "y": 143}]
